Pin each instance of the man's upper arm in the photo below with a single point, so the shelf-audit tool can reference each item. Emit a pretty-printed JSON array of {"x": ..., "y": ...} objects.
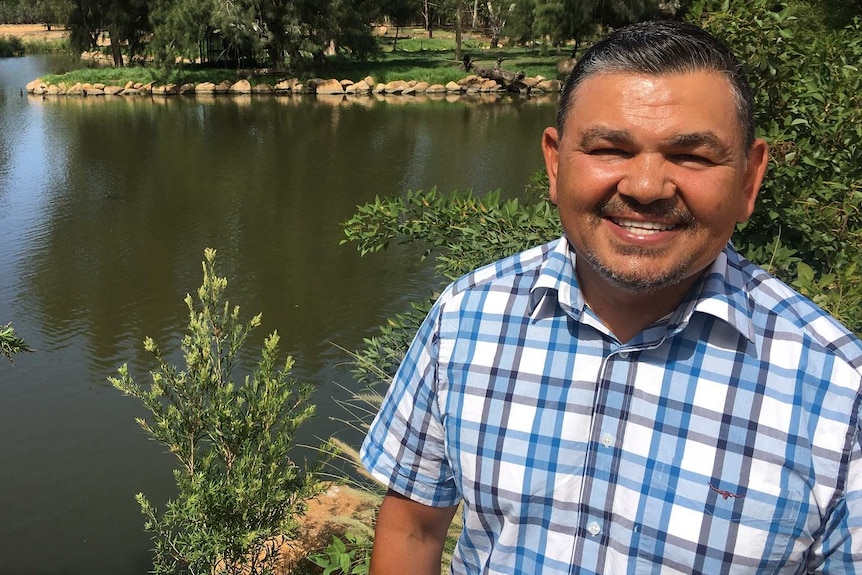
[{"x": 405, "y": 446}]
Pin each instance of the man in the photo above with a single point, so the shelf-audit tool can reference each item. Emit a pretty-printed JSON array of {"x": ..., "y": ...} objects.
[{"x": 635, "y": 397}]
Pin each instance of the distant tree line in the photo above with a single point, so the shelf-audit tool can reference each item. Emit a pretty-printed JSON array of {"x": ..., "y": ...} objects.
[{"x": 290, "y": 33}]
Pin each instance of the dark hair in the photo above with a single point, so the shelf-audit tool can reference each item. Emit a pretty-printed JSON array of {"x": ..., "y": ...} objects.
[{"x": 662, "y": 47}]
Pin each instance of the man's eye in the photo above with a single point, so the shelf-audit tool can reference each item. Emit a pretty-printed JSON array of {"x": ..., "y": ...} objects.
[
  {"x": 613, "y": 152},
  {"x": 691, "y": 158}
]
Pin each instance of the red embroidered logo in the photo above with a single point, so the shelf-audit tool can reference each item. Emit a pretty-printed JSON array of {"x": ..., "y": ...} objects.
[{"x": 724, "y": 492}]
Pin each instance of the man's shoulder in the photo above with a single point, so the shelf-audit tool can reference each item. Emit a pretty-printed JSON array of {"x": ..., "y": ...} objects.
[
  {"x": 509, "y": 270},
  {"x": 793, "y": 315}
]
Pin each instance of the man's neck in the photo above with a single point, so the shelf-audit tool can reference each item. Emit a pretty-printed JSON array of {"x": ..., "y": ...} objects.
[{"x": 626, "y": 313}]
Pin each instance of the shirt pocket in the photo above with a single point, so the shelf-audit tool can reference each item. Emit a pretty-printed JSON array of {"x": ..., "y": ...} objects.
[{"x": 699, "y": 525}]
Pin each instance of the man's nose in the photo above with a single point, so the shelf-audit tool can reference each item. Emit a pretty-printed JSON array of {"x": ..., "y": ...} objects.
[{"x": 646, "y": 179}]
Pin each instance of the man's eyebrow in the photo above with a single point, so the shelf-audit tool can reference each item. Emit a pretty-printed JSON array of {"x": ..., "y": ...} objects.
[
  {"x": 599, "y": 134},
  {"x": 707, "y": 139}
]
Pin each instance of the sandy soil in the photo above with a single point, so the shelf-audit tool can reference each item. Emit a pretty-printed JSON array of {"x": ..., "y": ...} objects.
[{"x": 32, "y": 32}]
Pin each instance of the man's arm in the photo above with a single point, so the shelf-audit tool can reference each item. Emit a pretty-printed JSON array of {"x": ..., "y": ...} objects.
[{"x": 409, "y": 537}]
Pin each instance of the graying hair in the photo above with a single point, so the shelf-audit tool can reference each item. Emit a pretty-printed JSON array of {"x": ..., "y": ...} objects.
[{"x": 658, "y": 48}]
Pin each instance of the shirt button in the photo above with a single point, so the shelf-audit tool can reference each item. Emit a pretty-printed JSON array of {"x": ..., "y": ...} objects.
[
  {"x": 594, "y": 528},
  {"x": 607, "y": 439},
  {"x": 624, "y": 354}
]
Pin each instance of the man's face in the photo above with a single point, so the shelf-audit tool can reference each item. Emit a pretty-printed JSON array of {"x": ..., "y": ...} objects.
[{"x": 650, "y": 177}]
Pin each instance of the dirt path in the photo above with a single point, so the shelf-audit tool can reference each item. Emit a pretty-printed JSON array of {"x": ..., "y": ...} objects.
[{"x": 32, "y": 32}]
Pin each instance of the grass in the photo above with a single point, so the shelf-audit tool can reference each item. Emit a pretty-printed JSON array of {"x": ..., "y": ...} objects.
[
  {"x": 13, "y": 46},
  {"x": 412, "y": 57}
]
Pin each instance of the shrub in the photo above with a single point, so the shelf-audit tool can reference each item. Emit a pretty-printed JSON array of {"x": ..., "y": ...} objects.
[{"x": 238, "y": 487}]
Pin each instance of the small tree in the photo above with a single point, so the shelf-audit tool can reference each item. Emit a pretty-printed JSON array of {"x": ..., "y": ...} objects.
[
  {"x": 10, "y": 343},
  {"x": 238, "y": 488}
]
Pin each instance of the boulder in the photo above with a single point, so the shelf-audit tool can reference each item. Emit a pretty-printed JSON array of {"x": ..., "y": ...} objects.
[
  {"x": 369, "y": 80},
  {"x": 529, "y": 82},
  {"x": 76, "y": 90},
  {"x": 146, "y": 88},
  {"x": 112, "y": 90},
  {"x": 396, "y": 87},
  {"x": 548, "y": 86},
  {"x": 421, "y": 87},
  {"x": 436, "y": 89},
  {"x": 129, "y": 85},
  {"x": 99, "y": 86},
  {"x": 37, "y": 83},
  {"x": 166, "y": 90},
  {"x": 87, "y": 87},
  {"x": 409, "y": 91},
  {"x": 345, "y": 83},
  {"x": 129, "y": 92},
  {"x": 489, "y": 86},
  {"x": 205, "y": 88},
  {"x": 329, "y": 87},
  {"x": 240, "y": 87},
  {"x": 54, "y": 90},
  {"x": 453, "y": 87},
  {"x": 263, "y": 88},
  {"x": 286, "y": 85},
  {"x": 360, "y": 87},
  {"x": 96, "y": 92},
  {"x": 379, "y": 88},
  {"x": 223, "y": 87}
]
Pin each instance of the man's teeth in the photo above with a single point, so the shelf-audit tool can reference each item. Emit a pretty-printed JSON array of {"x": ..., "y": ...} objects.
[{"x": 643, "y": 228}]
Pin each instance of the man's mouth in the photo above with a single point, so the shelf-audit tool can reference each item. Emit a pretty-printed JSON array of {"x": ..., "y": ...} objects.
[{"x": 643, "y": 228}]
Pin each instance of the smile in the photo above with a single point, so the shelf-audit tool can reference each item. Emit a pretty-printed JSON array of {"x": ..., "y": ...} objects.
[{"x": 643, "y": 228}]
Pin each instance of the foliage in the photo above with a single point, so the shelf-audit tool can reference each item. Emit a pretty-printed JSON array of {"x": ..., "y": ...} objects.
[
  {"x": 11, "y": 46},
  {"x": 808, "y": 93},
  {"x": 10, "y": 343},
  {"x": 238, "y": 487},
  {"x": 350, "y": 556}
]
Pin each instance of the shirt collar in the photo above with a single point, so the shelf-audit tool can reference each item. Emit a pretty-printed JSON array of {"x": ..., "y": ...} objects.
[{"x": 720, "y": 292}]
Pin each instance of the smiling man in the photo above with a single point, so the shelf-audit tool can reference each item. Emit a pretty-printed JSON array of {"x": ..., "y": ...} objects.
[{"x": 635, "y": 397}]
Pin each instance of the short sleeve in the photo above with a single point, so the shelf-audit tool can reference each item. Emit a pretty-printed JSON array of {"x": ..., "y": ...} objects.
[
  {"x": 840, "y": 549},
  {"x": 405, "y": 445}
]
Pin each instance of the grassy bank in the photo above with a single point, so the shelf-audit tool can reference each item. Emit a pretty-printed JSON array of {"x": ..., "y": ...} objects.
[
  {"x": 11, "y": 46},
  {"x": 412, "y": 57}
]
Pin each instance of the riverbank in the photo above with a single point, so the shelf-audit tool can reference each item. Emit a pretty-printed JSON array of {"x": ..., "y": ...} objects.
[{"x": 471, "y": 84}]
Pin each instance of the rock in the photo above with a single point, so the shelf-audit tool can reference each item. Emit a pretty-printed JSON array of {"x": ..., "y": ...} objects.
[
  {"x": 138, "y": 86},
  {"x": 99, "y": 86},
  {"x": 409, "y": 91},
  {"x": 240, "y": 87},
  {"x": 76, "y": 90},
  {"x": 54, "y": 90},
  {"x": 146, "y": 88},
  {"x": 379, "y": 88},
  {"x": 186, "y": 89},
  {"x": 436, "y": 89},
  {"x": 453, "y": 87},
  {"x": 529, "y": 82},
  {"x": 223, "y": 87},
  {"x": 96, "y": 92},
  {"x": 263, "y": 88},
  {"x": 548, "y": 86},
  {"x": 112, "y": 90},
  {"x": 166, "y": 90},
  {"x": 37, "y": 83},
  {"x": 369, "y": 80},
  {"x": 129, "y": 92},
  {"x": 345, "y": 83},
  {"x": 421, "y": 87},
  {"x": 360, "y": 87},
  {"x": 286, "y": 85},
  {"x": 205, "y": 88},
  {"x": 489, "y": 86},
  {"x": 329, "y": 87},
  {"x": 87, "y": 87},
  {"x": 396, "y": 87},
  {"x": 129, "y": 85},
  {"x": 299, "y": 88}
]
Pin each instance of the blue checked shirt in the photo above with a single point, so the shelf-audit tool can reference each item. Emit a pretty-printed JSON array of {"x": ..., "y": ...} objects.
[{"x": 722, "y": 439}]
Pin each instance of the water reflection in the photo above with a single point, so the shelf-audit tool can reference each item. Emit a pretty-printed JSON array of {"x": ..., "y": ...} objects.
[{"x": 106, "y": 205}]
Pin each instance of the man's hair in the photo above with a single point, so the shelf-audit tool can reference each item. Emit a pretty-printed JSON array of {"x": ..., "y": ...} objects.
[{"x": 657, "y": 48}]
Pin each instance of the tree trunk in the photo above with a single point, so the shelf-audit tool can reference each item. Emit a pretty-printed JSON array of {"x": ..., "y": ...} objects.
[
  {"x": 459, "y": 6},
  {"x": 475, "y": 14},
  {"x": 116, "y": 51}
]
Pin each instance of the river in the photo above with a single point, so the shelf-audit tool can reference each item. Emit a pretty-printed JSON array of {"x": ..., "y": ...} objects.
[{"x": 106, "y": 206}]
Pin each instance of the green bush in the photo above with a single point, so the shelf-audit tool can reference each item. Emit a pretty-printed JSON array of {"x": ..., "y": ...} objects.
[
  {"x": 10, "y": 343},
  {"x": 11, "y": 46},
  {"x": 238, "y": 486}
]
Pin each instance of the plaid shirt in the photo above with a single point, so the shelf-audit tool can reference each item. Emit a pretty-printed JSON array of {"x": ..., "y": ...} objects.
[{"x": 722, "y": 439}]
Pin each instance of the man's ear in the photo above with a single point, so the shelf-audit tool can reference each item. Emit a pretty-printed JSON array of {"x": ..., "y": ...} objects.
[
  {"x": 551, "y": 152},
  {"x": 755, "y": 170}
]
